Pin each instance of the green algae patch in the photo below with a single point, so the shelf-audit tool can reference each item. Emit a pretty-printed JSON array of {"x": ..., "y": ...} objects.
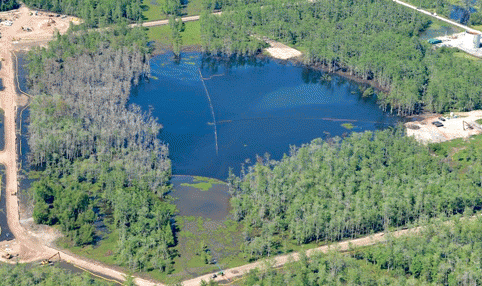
[
  {"x": 348, "y": 126},
  {"x": 203, "y": 183}
]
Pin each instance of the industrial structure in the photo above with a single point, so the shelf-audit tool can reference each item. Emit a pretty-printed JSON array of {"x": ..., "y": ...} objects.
[
  {"x": 469, "y": 42},
  {"x": 472, "y": 40}
]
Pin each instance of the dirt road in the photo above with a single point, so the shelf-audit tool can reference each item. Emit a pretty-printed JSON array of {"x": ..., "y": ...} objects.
[{"x": 165, "y": 22}]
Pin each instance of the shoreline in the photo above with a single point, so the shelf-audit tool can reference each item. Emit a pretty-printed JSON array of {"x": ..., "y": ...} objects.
[{"x": 299, "y": 61}]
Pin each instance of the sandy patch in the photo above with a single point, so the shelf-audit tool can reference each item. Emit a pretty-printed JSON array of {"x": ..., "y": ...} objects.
[{"x": 281, "y": 51}]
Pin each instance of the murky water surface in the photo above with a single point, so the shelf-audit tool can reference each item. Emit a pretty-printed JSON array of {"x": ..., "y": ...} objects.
[{"x": 190, "y": 201}]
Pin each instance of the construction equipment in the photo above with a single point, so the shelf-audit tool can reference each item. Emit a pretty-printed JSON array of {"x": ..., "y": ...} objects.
[
  {"x": 49, "y": 261},
  {"x": 7, "y": 255},
  {"x": 471, "y": 125}
]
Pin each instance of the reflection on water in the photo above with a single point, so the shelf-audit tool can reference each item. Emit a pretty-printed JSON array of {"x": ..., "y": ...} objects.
[{"x": 260, "y": 106}]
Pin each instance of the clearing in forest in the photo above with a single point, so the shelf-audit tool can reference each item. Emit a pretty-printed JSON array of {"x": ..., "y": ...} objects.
[{"x": 459, "y": 125}]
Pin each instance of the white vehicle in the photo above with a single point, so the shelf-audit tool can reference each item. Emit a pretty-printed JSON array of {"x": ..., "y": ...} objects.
[{"x": 7, "y": 23}]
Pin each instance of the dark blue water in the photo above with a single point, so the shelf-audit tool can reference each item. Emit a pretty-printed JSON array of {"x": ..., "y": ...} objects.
[
  {"x": 460, "y": 14},
  {"x": 22, "y": 72},
  {"x": 260, "y": 107}
]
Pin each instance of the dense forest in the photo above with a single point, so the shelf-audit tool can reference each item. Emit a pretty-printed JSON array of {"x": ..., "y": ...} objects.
[
  {"x": 8, "y": 5},
  {"x": 99, "y": 158},
  {"x": 443, "y": 254},
  {"x": 93, "y": 12},
  {"x": 370, "y": 39},
  {"x": 44, "y": 276},
  {"x": 334, "y": 189}
]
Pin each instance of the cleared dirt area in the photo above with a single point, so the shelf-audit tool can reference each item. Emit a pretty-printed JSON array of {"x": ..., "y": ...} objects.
[
  {"x": 460, "y": 125},
  {"x": 31, "y": 25},
  {"x": 280, "y": 51}
]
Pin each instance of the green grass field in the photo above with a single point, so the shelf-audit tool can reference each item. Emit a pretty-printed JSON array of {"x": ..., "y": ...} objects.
[
  {"x": 456, "y": 150},
  {"x": 153, "y": 9},
  {"x": 191, "y": 36},
  {"x": 467, "y": 56},
  {"x": 194, "y": 7},
  {"x": 477, "y": 27},
  {"x": 102, "y": 252}
]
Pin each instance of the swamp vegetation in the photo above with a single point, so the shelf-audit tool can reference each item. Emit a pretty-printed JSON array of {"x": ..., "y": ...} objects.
[{"x": 94, "y": 151}]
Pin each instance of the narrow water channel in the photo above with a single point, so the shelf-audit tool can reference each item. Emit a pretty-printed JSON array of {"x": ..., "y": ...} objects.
[{"x": 5, "y": 233}]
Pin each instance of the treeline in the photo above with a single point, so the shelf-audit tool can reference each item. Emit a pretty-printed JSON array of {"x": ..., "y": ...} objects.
[
  {"x": 97, "y": 154},
  {"x": 93, "y": 12},
  {"x": 442, "y": 254},
  {"x": 44, "y": 276},
  {"x": 6, "y": 5},
  {"x": 335, "y": 189},
  {"x": 374, "y": 40}
]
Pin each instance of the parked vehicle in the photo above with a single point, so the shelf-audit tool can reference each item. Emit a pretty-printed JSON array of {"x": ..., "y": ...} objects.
[
  {"x": 441, "y": 119},
  {"x": 437, "y": 123}
]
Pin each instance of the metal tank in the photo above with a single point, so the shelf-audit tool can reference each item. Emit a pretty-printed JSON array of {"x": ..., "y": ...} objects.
[{"x": 477, "y": 41}]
